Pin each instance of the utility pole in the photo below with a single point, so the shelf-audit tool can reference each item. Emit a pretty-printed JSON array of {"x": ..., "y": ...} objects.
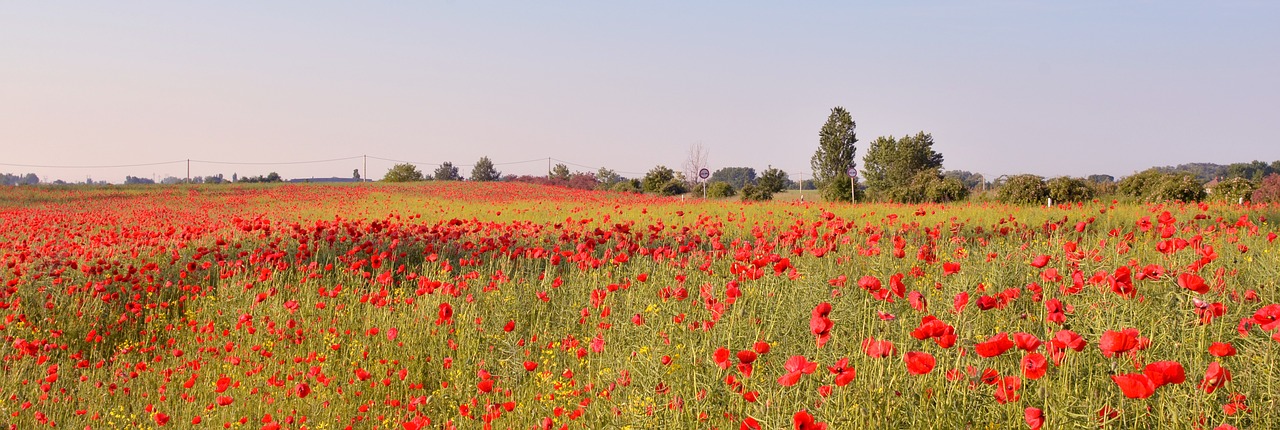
[
  {"x": 365, "y": 176},
  {"x": 188, "y": 170},
  {"x": 548, "y": 168}
]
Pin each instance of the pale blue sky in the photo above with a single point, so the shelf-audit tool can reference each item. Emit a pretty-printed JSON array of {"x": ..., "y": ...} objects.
[{"x": 1052, "y": 88}]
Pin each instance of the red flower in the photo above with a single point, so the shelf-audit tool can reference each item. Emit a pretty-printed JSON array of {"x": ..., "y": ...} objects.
[
  {"x": 1268, "y": 317},
  {"x": 721, "y": 358},
  {"x": 1034, "y": 417},
  {"x": 844, "y": 373},
  {"x": 796, "y": 366},
  {"x": 803, "y": 421},
  {"x": 1219, "y": 349},
  {"x": 950, "y": 268},
  {"x": 1026, "y": 341},
  {"x": 1165, "y": 372},
  {"x": 1135, "y": 385},
  {"x": 1033, "y": 366},
  {"x": 1114, "y": 342},
  {"x": 919, "y": 363},
  {"x": 820, "y": 325},
  {"x": 1193, "y": 282},
  {"x": 161, "y": 418},
  {"x": 1214, "y": 377},
  {"x": 877, "y": 348},
  {"x": 994, "y": 346},
  {"x": 1040, "y": 261},
  {"x": 1008, "y": 390}
]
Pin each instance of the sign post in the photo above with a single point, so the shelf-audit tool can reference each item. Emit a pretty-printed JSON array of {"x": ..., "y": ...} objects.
[
  {"x": 703, "y": 174},
  {"x": 853, "y": 185}
]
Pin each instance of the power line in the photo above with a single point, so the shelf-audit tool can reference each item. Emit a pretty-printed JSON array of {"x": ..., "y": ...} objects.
[
  {"x": 45, "y": 166},
  {"x": 277, "y": 163}
]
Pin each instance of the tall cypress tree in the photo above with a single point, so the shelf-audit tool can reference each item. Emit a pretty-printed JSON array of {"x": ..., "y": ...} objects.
[{"x": 834, "y": 157}]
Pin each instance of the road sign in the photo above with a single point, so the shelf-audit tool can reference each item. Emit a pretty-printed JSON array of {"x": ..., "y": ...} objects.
[
  {"x": 704, "y": 173},
  {"x": 853, "y": 173}
]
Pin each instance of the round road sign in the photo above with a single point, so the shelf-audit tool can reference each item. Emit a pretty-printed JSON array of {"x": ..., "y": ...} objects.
[{"x": 704, "y": 173}]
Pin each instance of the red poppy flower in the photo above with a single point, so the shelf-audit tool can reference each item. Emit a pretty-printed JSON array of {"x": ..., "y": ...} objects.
[
  {"x": 877, "y": 348},
  {"x": 1214, "y": 377},
  {"x": 1034, "y": 418},
  {"x": 1193, "y": 282},
  {"x": 1040, "y": 261},
  {"x": 994, "y": 346},
  {"x": 844, "y": 373},
  {"x": 950, "y": 268},
  {"x": 721, "y": 358},
  {"x": 803, "y": 421},
  {"x": 1162, "y": 373},
  {"x": 796, "y": 366},
  {"x": 747, "y": 356},
  {"x": 1220, "y": 349},
  {"x": 1114, "y": 342},
  {"x": 1033, "y": 366},
  {"x": 1008, "y": 390},
  {"x": 1135, "y": 385},
  {"x": 1268, "y": 317},
  {"x": 1026, "y": 341},
  {"x": 919, "y": 363}
]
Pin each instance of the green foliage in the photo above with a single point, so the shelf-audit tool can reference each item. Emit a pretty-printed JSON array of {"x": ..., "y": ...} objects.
[
  {"x": 627, "y": 186},
  {"x": 940, "y": 189},
  {"x": 737, "y": 177},
  {"x": 1154, "y": 185},
  {"x": 484, "y": 171},
  {"x": 1268, "y": 191},
  {"x": 901, "y": 170},
  {"x": 560, "y": 172},
  {"x": 756, "y": 193},
  {"x": 1024, "y": 190},
  {"x": 607, "y": 178},
  {"x": 834, "y": 157},
  {"x": 969, "y": 179},
  {"x": 404, "y": 172},
  {"x": 1232, "y": 190},
  {"x": 1101, "y": 179},
  {"x": 663, "y": 181},
  {"x": 719, "y": 190},
  {"x": 775, "y": 180},
  {"x": 1253, "y": 171},
  {"x": 1065, "y": 189},
  {"x": 447, "y": 172}
]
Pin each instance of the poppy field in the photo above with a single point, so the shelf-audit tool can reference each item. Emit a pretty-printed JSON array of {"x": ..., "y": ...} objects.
[{"x": 507, "y": 305}]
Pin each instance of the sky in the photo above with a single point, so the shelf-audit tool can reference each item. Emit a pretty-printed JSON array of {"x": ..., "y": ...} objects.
[{"x": 1005, "y": 87}]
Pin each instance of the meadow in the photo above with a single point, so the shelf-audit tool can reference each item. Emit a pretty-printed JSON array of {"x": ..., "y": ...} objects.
[{"x": 505, "y": 305}]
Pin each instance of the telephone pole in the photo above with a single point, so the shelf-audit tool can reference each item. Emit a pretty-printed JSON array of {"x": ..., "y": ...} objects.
[
  {"x": 365, "y": 176},
  {"x": 188, "y": 170}
]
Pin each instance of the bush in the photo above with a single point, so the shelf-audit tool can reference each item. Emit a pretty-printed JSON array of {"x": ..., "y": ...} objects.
[
  {"x": 946, "y": 190},
  {"x": 1023, "y": 190},
  {"x": 719, "y": 190},
  {"x": 1181, "y": 187},
  {"x": 657, "y": 179},
  {"x": 673, "y": 187},
  {"x": 398, "y": 173},
  {"x": 1066, "y": 189},
  {"x": 753, "y": 193},
  {"x": 1268, "y": 191},
  {"x": 1232, "y": 190},
  {"x": 626, "y": 186}
]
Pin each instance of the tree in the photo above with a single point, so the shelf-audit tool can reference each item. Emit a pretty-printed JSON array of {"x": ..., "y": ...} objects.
[
  {"x": 969, "y": 179},
  {"x": 1268, "y": 191},
  {"x": 627, "y": 186},
  {"x": 403, "y": 173},
  {"x": 774, "y": 180},
  {"x": 737, "y": 177},
  {"x": 484, "y": 171},
  {"x": 891, "y": 166},
  {"x": 607, "y": 178},
  {"x": 273, "y": 177},
  {"x": 941, "y": 189},
  {"x": 1232, "y": 190},
  {"x": 756, "y": 193},
  {"x": 1065, "y": 189},
  {"x": 447, "y": 172},
  {"x": 560, "y": 172},
  {"x": 662, "y": 180},
  {"x": 696, "y": 161},
  {"x": 718, "y": 190},
  {"x": 834, "y": 157},
  {"x": 235, "y": 177},
  {"x": 355, "y": 174},
  {"x": 1101, "y": 179},
  {"x": 1155, "y": 185},
  {"x": 1023, "y": 190}
]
